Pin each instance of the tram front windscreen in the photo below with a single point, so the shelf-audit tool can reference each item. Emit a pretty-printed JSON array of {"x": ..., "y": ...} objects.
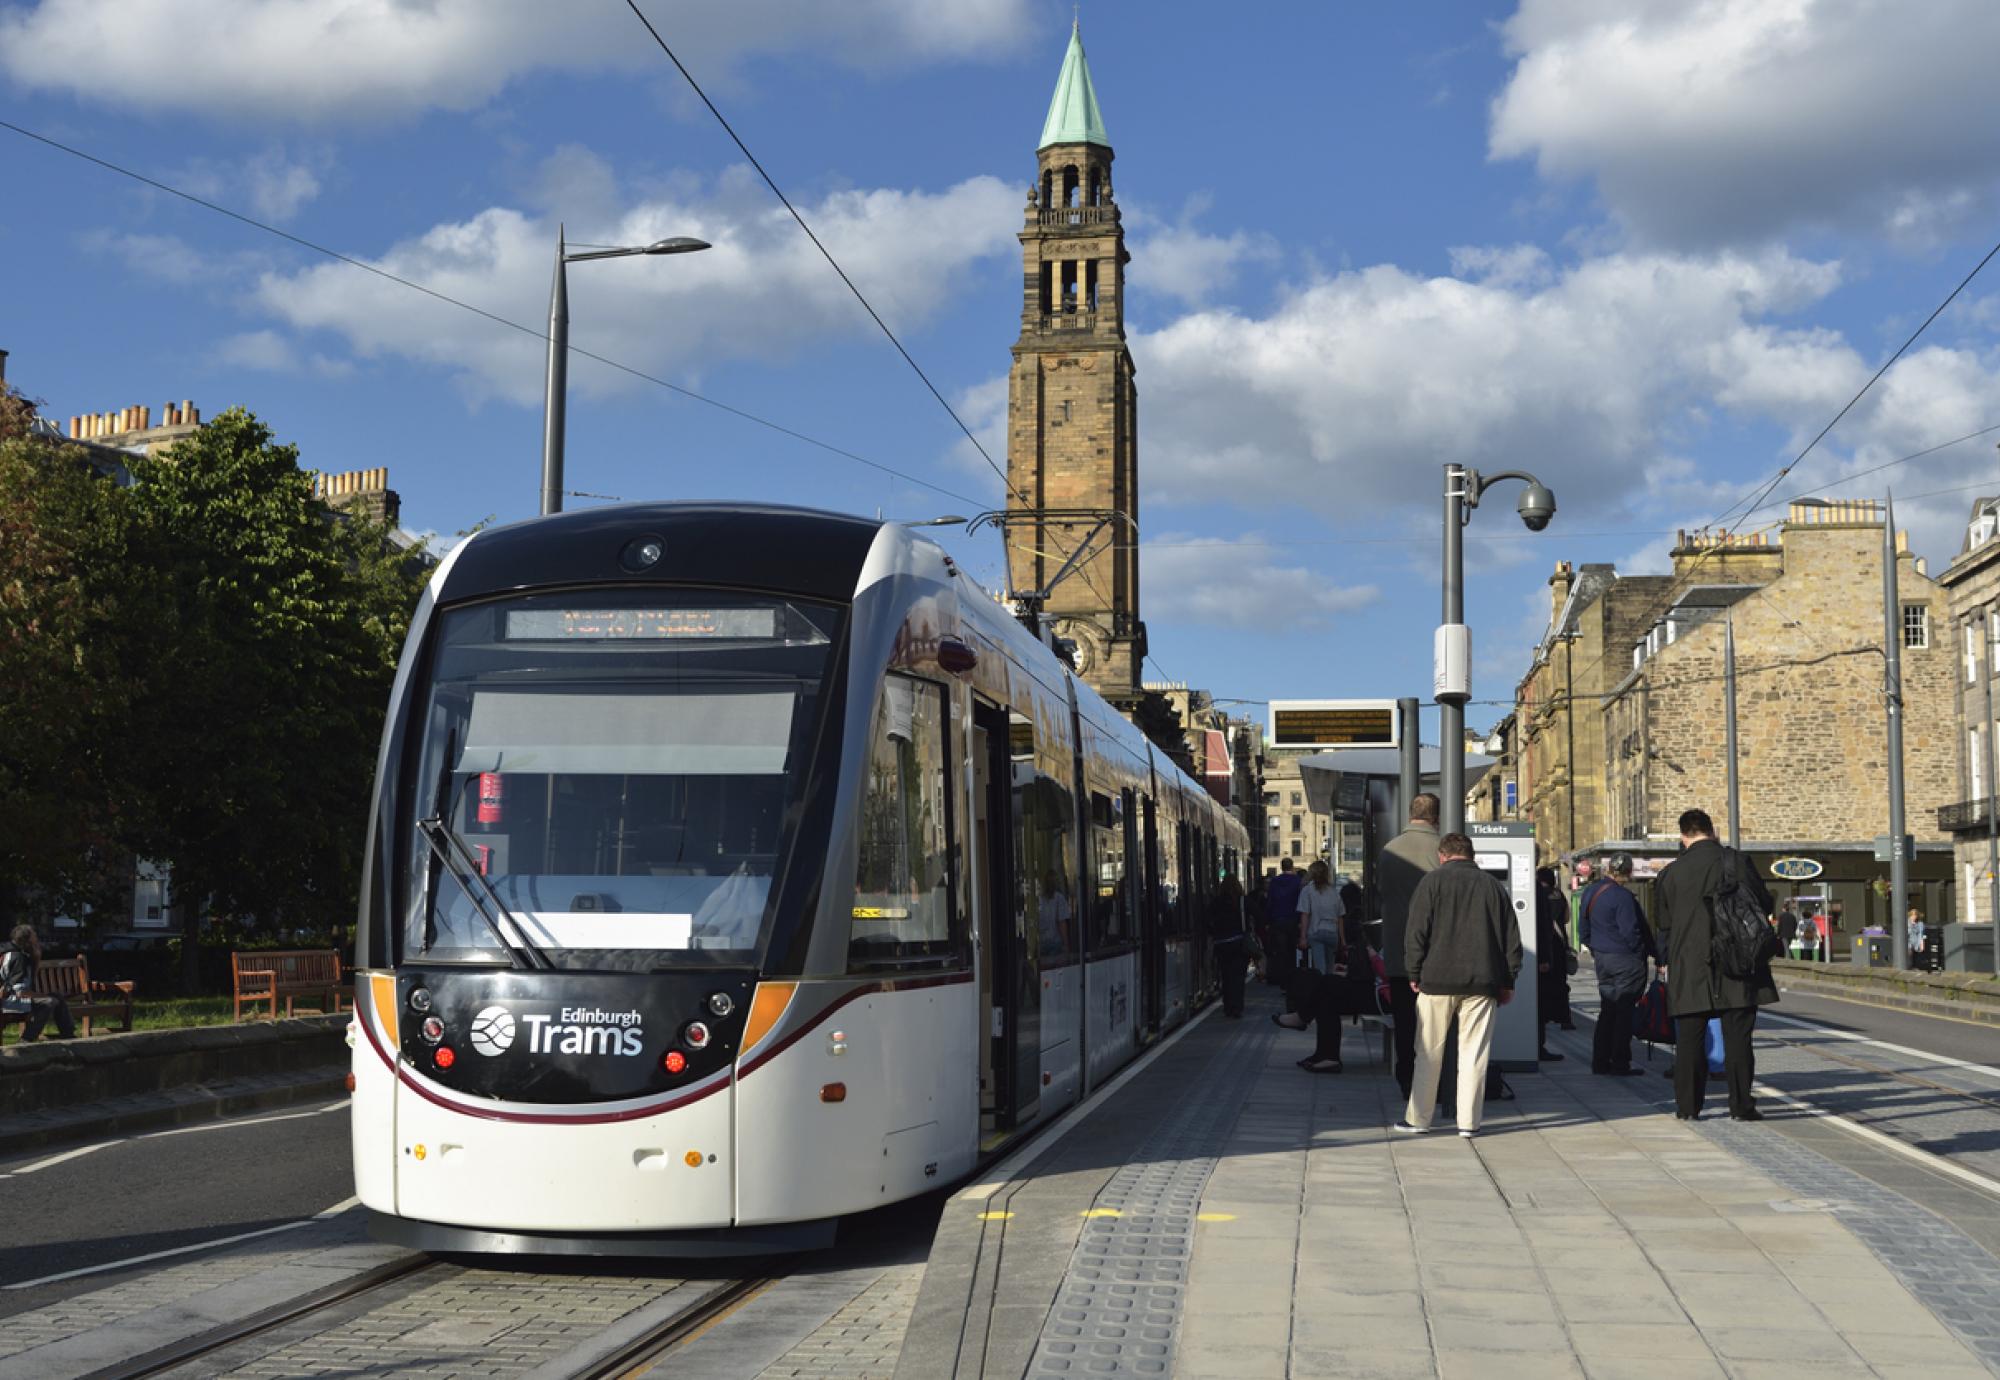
[{"x": 609, "y": 775}]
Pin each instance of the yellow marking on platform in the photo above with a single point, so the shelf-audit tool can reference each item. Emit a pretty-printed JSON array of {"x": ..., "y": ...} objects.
[
  {"x": 1100, "y": 1212},
  {"x": 994, "y": 1216},
  {"x": 1215, "y": 1217}
]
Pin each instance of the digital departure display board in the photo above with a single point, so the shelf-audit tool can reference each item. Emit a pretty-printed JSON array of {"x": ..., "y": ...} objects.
[
  {"x": 641, "y": 625},
  {"x": 1333, "y": 723}
]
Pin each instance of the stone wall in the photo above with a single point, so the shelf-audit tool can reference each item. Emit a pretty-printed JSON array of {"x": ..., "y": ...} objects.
[{"x": 1812, "y": 750}]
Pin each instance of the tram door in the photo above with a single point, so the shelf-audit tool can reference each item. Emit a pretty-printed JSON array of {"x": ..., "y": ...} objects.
[
  {"x": 1009, "y": 985},
  {"x": 1152, "y": 950}
]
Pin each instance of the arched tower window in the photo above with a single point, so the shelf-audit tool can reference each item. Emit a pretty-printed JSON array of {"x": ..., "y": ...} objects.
[
  {"x": 1048, "y": 183},
  {"x": 1071, "y": 185},
  {"x": 1096, "y": 187}
]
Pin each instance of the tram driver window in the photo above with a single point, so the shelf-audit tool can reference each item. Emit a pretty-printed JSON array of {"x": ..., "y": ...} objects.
[{"x": 903, "y": 910}]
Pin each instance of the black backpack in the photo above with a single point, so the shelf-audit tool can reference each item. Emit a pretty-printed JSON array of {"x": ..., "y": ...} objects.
[{"x": 1741, "y": 940}]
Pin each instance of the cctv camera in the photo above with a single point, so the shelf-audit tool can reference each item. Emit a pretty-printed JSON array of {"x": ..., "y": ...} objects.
[{"x": 1537, "y": 507}]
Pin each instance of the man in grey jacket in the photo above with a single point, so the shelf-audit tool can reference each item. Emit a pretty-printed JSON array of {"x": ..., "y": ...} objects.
[
  {"x": 1407, "y": 859},
  {"x": 1463, "y": 952}
]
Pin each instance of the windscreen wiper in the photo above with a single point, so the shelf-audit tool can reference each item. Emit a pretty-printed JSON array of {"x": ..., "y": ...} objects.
[{"x": 450, "y": 850}]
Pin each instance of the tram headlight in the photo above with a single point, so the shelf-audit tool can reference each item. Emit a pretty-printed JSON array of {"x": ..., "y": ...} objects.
[
  {"x": 433, "y": 1030},
  {"x": 720, "y": 1004},
  {"x": 695, "y": 1036},
  {"x": 420, "y": 999}
]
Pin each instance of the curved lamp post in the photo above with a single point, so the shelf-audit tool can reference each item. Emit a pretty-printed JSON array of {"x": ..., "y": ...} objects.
[
  {"x": 1452, "y": 663},
  {"x": 554, "y": 405}
]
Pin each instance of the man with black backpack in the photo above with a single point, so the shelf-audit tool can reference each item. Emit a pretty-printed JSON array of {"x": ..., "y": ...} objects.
[{"x": 1716, "y": 945}]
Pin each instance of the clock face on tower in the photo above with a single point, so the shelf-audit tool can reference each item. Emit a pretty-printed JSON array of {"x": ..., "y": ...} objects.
[{"x": 1089, "y": 640}]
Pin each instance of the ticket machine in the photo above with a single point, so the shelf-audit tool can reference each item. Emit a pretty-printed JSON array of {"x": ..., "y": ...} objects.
[{"x": 1507, "y": 853}]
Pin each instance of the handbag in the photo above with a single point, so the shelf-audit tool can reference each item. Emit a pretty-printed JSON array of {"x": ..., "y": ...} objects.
[{"x": 1569, "y": 960}]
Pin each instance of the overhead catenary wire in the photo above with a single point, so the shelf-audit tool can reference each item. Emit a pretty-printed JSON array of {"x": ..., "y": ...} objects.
[
  {"x": 825, "y": 253},
  {"x": 731, "y": 409}
]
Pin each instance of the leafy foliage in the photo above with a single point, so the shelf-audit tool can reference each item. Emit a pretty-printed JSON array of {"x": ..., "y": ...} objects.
[{"x": 194, "y": 670}]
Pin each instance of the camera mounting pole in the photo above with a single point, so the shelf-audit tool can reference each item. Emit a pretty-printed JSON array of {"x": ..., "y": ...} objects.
[{"x": 1451, "y": 668}]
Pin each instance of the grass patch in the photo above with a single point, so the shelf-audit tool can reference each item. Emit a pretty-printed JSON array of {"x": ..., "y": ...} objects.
[{"x": 175, "y": 1013}]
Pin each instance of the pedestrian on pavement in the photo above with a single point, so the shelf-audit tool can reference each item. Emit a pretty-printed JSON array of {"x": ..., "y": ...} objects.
[
  {"x": 1225, "y": 935},
  {"x": 1281, "y": 911},
  {"x": 1788, "y": 924},
  {"x": 1319, "y": 916},
  {"x": 1697, "y": 988},
  {"x": 1404, "y": 863},
  {"x": 19, "y": 958},
  {"x": 1552, "y": 961},
  {"x": 1917, "y": 937},
  {"x": 1253, "y": 911},
  {"x": 1463, "y": 951},
  {"x": 1612, "y": 925}
]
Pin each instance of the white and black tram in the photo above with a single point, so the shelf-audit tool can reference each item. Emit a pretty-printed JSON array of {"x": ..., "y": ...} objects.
[{"x": 733, "y": 869}]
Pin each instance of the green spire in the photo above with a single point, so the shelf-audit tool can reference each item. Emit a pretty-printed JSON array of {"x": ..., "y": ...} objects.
[{"x": 1073, "y": 114}]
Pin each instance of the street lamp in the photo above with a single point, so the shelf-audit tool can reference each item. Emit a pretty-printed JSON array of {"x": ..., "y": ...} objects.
[
  {"x": 554, "y": 406},
  {"x": 1452, "y": 664}
]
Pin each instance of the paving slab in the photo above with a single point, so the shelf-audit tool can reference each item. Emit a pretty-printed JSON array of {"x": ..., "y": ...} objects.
[{"x": 1225, "y": 1214}]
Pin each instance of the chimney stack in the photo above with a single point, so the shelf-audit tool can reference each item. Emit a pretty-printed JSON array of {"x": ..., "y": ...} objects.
[{"x": 1559, "y": 587}]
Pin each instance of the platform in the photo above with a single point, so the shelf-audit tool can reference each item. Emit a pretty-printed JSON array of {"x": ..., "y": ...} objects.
[{"x": 1225, "y": 1214}]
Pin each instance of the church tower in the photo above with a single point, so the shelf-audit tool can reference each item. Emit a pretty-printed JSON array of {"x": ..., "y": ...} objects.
[{"x": 1072, "y": 409}]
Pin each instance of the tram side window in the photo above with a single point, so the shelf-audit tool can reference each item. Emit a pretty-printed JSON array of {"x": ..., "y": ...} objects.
[
  {"x": 1043, "y": 815},
  {"x": 1110, "y": 903},
  {"x": 903, "y": 904}
]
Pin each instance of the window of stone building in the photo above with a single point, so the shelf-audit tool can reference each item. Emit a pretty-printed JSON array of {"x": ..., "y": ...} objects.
[
  {"x": 1297, "y": 800},
  {"x": 1975, "y": 764},
  {"x": 1971, "y": 652},
  {"x": 1916, "y": 626},
  {"x": 1511, "y": 792},
  {"x": 1298, "y": 848},
  {"x": 1992, "y": 641},
  {"x": 1295, "y": 820}
]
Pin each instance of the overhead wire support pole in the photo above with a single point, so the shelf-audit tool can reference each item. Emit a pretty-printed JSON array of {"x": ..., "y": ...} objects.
[
  {"x": 556, "y": 398},
  {"x": 1729, "y": 726},
  {"x": 1892, "y": 674}
]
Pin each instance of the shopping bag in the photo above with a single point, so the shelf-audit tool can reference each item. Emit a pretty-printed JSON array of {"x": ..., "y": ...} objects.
[{"x": 1651, "y": 1022}]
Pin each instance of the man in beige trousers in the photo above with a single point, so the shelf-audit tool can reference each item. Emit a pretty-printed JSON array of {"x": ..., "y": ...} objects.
[{"x": 1463, "y": 954}]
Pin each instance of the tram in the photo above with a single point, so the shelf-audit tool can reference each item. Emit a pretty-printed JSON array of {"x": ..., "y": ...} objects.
[{"x": 735, "y": 869}]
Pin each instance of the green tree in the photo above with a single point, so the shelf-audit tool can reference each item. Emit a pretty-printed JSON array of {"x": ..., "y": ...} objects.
[
  {"x": 252, "y": 746},
  {"x": 67, "y": 605}
]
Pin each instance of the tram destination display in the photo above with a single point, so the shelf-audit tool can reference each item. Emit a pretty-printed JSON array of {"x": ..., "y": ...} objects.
[
  {"x": 615, "y": 624},
  {"x": 1333, "y": 723}
]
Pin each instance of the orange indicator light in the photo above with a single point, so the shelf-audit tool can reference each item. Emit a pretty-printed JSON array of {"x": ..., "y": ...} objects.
[
  {"x": 674, "y": 1062},
  {"x": 693, "y": 1158},
  {"x": 420, "y": 1152},
  {"x": 833, "y": 1092}
]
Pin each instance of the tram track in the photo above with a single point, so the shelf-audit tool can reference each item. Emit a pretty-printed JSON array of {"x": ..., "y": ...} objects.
[
  {"x": 639, "y": 1356},
  {"x": 174, "y": 1355}
]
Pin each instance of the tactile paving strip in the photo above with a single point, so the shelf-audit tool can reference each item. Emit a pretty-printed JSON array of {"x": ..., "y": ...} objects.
[{"x": 1118, "y": 1311}]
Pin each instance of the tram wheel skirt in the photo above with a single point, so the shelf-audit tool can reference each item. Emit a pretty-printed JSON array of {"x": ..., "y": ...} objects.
[{"x": 702, "y": 1244}]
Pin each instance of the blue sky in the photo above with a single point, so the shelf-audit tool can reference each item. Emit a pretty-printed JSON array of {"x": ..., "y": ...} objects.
[{"x": 1646, "y": 250}]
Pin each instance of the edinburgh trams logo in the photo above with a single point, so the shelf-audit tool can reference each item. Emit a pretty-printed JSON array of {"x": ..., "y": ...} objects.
[{"x": 493, "y": 1030}]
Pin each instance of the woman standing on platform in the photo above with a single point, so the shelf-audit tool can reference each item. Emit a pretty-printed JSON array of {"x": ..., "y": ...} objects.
[{"x": 1319, "y": 917}]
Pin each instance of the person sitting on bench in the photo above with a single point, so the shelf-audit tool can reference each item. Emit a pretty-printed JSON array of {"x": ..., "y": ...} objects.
[{"x": 19, "y": 958}]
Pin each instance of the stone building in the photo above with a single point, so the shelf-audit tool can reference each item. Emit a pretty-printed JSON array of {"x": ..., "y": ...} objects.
[
  {"x": 1972, "y": 592},
  {"x": 1072, "y": 406},
  {"x": 132, "y": 429},
  {"x": 1496, "y": 795},
  {"x": 1811, "y": 731},
  {"x": 1558, "y": 736}
]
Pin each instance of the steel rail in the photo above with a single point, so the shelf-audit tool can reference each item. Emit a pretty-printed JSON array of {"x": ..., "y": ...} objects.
[
  {"x": 637, "y": 1356},
  {"x": 179, "y": 1353}
]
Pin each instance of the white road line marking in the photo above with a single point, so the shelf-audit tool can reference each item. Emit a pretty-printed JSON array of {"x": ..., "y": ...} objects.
[
  {"x": 1928, "y": 1160},
  {"x": 343, "y": 1205},
  {"x": 1848, "y": 1037},
  {"x": 159, "y": 1255},
  {"x": 1005, "y": 1171},
  {"x": 64, "y": 1157}
]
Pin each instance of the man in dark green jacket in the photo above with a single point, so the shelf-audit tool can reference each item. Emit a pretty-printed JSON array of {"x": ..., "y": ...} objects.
[
  {"x": 1696, "y": 988},
  {"x": 1463, "y": 953},
  {"x": 1405, "y": 861}
]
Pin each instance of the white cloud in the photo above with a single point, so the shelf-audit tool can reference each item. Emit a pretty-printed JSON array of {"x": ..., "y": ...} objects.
[
  {"x": 380, "y": 59},
  {"x": 1709, "y": 122},
  {"x": 1601, "y": 377},
  {"x": 1232, "y": 583},
  {"x": 278, "y": 186},
  {"x": 1181, "y": 261},
  {"x": 761, "y": 290},
  {"x": 270, "y": 352},
  {"x": 167, "y": 258}
]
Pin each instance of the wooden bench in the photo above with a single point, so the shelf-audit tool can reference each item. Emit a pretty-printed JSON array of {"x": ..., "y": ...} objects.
[
  {"x": 69, "y": 978},
  {"x": 264, "y": 975}
]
